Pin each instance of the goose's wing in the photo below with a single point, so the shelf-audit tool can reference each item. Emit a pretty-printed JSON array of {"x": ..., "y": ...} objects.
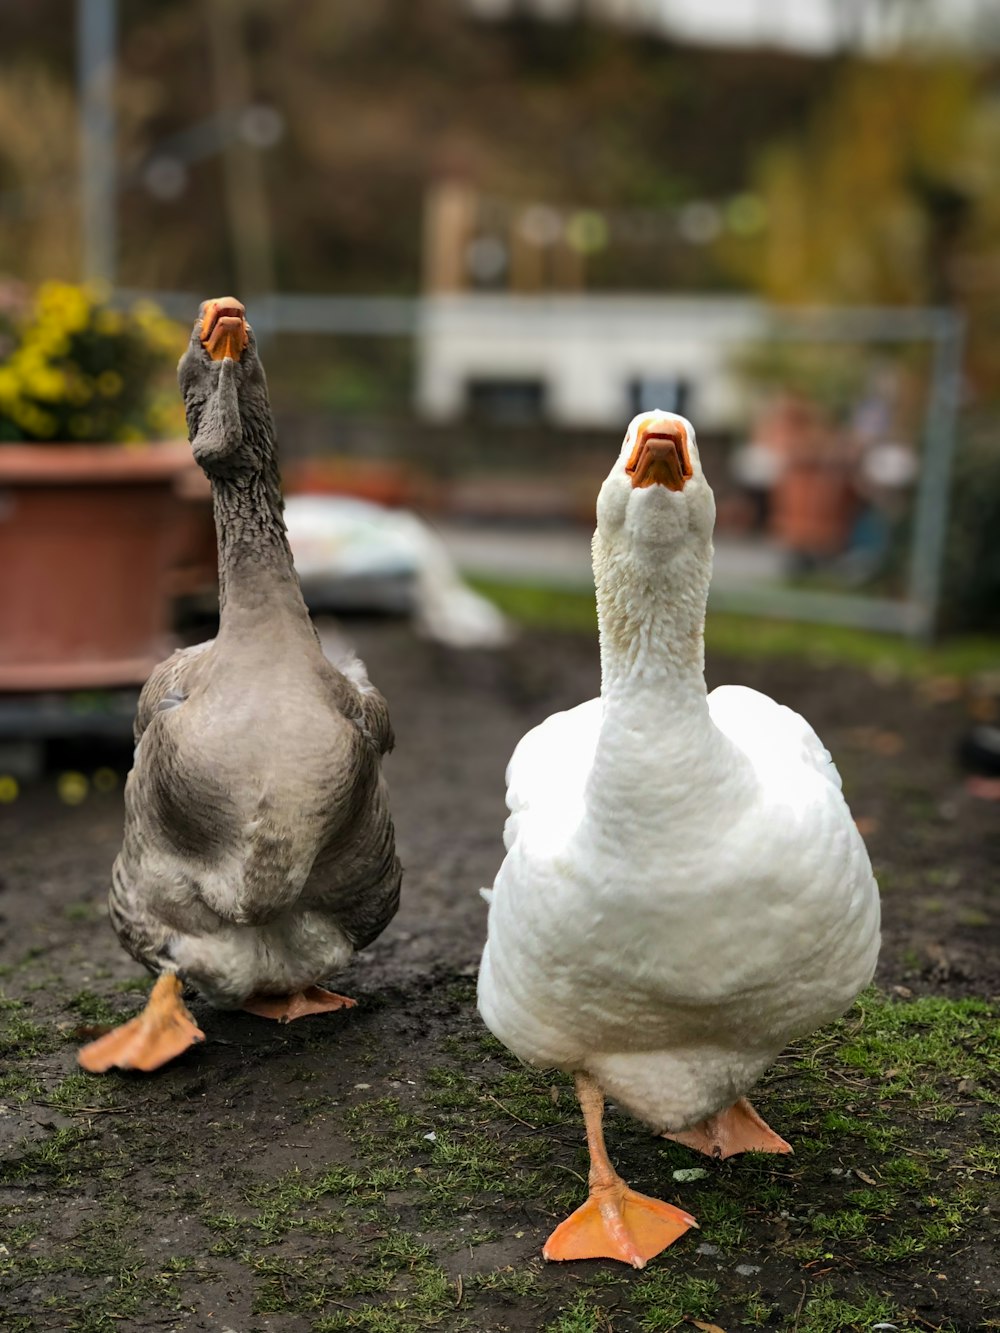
[
  {"x": 550, "y": 764},
  {"x": 167, "y": 686},
  {"x": 763, "y": 729}
]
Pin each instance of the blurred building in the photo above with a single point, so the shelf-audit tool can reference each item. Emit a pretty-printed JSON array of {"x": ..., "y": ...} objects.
[{"x": 581, "y": 360}]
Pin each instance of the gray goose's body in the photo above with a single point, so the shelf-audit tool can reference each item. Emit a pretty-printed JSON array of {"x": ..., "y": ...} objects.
[{"x": 258, "y": 851}]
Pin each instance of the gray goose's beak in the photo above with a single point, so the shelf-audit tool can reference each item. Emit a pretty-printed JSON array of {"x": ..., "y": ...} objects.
[{"x": 224, "y": 328}]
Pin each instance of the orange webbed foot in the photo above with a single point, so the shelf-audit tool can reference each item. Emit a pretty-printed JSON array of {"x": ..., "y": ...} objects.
[
  {"x": 286, "y": 1008},
  {"x": 161, "y": 1032},
  {"x": 618, "y": 1223},
  {"x": 740, "y": 1129}
]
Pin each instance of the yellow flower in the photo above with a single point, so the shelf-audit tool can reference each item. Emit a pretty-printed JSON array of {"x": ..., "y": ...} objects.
[
  {"x": 46, "y": 383},
  {"x": 109, "y": 323},
  {"x": 8, "y": 384},
  {"x": 66, "y": 302},
  {"x": 110, "y": 383}
]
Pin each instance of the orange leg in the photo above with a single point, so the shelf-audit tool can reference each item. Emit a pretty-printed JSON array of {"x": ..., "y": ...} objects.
[
  {"x": 615, "y": 1222},
  {"x": 740, "y": 1129},
  {"x": 162, "y": 1031},
  {"x": 285, "y": 1008}
]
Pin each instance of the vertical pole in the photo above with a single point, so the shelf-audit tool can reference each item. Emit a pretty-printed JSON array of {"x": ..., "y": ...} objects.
[
  {"x": 243, "y": 178},
  {"x": 449, "y": 221},
  {"x": 96, "y": 22},
  {"x": 930, "y": 530}
]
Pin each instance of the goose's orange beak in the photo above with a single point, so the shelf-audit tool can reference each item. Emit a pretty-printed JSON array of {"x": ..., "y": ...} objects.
[
  {"x": 224, "y": 328},
  {"x": 660, "y": 456}
]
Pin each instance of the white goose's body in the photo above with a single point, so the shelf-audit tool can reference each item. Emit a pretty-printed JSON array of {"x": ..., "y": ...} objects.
[
  {"x": 674, "y": 909},
  {"x": 684, "y": 889}
]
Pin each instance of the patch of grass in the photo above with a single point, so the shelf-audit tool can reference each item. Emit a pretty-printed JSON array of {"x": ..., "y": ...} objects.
[
  {"x": 93, "y": 1008},
  {"x": 878, "y": 1178},
  {"x": 665, "y": 1299},
  {"x": 61, "y": 1159},
  {"x": 81, "y": 1091},
  {"x": 408, "y": 1290},
  {"x": 757, "y": 1311},
  {"x": 581, "y": 1317},
  {"x": 823, "y": 1312},
  {"x": 21, "y": 1037},
  {"x": 133, "y": 984},
  {"x": 82, "y": 911},
  {"x": 103, "y": 1279},
  {"x": 759, "y": 637},
  {"x": 512, "y": 1281}
]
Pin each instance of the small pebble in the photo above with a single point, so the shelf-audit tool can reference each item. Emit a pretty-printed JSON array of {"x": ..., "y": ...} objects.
[
  {"x": 705, "y": 1248},
  {"x": 747, "y": 1270},
  {"x": 690, "y": 1173},
  {"x": 431, "y": 1137}
]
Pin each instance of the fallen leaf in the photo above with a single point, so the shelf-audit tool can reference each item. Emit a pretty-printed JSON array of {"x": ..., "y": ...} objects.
[
  {"x": 707, "y": 1328},
  {"x": 861, "y": 1175}
]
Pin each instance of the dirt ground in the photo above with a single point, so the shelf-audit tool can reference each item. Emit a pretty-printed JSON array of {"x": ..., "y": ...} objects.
[{"x": 392, "y": 1168}]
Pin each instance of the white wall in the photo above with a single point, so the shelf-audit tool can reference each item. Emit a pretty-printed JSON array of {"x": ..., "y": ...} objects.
[
  {"x": 814, "y": 26},
  {"x": 587, "y": 350}
]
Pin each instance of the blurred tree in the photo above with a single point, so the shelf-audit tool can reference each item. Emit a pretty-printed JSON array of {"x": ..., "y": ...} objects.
[
  {"x": 375, "y": 99},
  {"x": 38, "y": 217},
  {"x": 889, "y": 194},
  {"x": 865, "y": 203}
]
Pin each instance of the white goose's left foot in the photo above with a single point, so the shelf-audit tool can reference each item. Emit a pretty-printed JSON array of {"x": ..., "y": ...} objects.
[
  {"x": 286, "y": 1008},
  {"x": 740, "y": 1129}
]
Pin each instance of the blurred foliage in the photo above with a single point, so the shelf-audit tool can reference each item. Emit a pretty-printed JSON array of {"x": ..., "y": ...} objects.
[
  {"x": 888, "y": 193},
  {"x": 831, "y": 375},
  {"x": 79, "y": 369},
  {"x": 857, "y": 196},
  {"x": 38, "y": 147},
  {"x": 971, "y": 594}
]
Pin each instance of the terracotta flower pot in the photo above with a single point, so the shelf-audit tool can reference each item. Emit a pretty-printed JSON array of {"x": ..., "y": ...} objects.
[{"x": 87, "y": 539}]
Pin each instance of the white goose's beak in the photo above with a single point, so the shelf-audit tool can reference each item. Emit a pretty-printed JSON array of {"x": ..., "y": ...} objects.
[{"x": 660, "y": 456}]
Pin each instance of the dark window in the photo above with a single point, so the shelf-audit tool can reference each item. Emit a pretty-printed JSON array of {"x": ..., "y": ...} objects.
[
  {"x": 668, "y": 392},
  {"x": 507, "y": 402}
]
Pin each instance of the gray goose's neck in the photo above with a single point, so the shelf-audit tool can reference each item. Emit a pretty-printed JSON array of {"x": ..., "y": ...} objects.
[{"x": 257, "y": 580}]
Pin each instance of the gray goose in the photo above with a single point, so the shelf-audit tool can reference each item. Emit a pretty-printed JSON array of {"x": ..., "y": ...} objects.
[{"x": 258, "y": 851}]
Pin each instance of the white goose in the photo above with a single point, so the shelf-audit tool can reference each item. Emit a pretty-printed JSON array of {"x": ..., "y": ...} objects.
[{"x": 684, "y": 889}]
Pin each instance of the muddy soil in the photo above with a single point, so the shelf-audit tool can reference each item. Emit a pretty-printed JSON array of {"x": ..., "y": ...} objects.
[{"x": 391, "y": 1167}]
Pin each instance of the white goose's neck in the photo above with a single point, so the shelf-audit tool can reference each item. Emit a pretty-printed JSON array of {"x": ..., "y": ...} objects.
[
  {"x": 655, "y": 703},
  {"x": 652, "y": 627}
]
